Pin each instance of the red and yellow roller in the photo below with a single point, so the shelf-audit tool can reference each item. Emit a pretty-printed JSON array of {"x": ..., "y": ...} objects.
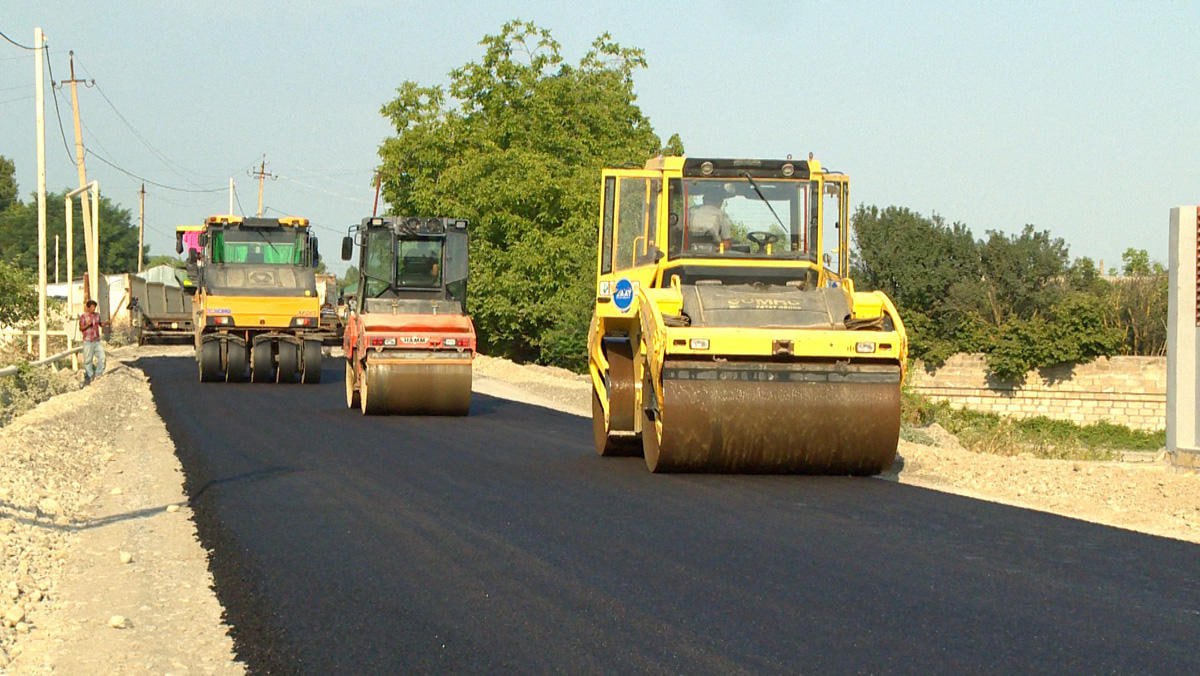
[{"x": 409, "y": 344}]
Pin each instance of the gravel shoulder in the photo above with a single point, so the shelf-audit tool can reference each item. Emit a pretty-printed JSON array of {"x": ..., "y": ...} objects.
[{"x": 101, "y": 570}]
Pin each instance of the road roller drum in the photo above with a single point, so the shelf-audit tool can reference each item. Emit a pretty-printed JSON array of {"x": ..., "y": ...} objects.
[
  {"x": 416, "y": 387},
  {"x": 774, "y": 418}
]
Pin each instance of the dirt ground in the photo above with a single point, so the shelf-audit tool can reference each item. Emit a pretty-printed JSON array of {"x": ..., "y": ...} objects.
[{"x": 101, "y": 571}]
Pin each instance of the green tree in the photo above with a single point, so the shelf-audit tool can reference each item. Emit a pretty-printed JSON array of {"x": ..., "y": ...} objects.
[
  {"x": 18, "y": 234},
  {"x": 515, "y": 143},
  {"x": 165, "y": 259},
  {"x": 8, "y": 183},
  {"x": 1140, "y": 303},
  {"x": 1135, "y": 262},
  {"x": 915, "y": 260},
  {"x": 1016, "y": 298},
  {"x": 18, "y": 297},
  {"x": 1021, "y": 276}
]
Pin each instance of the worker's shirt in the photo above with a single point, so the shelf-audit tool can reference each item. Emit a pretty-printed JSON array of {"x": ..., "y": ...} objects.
[
  {"x": 711, "y": 222},
  {"x": 89, "y": 323}
]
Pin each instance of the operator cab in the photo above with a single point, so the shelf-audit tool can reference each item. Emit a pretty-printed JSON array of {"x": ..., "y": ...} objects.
[{"x": 410, "y": 258}]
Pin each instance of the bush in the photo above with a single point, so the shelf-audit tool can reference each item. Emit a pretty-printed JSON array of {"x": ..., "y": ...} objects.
[{"x": 31, "y": 386}]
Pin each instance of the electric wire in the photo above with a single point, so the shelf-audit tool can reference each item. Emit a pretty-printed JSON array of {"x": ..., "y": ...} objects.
[
  {"x": 238, "y": 198},
  {"x": 131, "y": 174},
  {"x": 14, "y": 42},
  {"x": 57, "y": 113},
  {"x": 177, "y": 169},
  {"x": 313, "y": 225}
]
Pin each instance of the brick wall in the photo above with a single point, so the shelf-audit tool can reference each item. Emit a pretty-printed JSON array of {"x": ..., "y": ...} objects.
[{"x": 1130, "y": 391}]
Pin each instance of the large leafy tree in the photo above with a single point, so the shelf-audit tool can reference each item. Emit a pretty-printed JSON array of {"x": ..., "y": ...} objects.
[
  {"x": 515, "y": 143},
  {"x": 8, "y": 183},
  {"x": 18, "y": 234},
  {"x": 18, "y": 298},
  {"x": 915, "y": 260},
  {"x": 1016, "y": 298},
  {"x": 1140, "y": 300}
]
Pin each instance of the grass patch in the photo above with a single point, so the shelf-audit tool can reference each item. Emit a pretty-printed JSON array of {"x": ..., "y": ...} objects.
[{"x": 1040, "y": 436}]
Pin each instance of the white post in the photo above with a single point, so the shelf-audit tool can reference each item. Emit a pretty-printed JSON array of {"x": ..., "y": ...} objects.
[
  {"x": 70, "y": 211},
  {"x": 56, "y": 258},
  {"x": 230, "y": 212},
  {"x": 1183, "y": 325},
  {"x": 94, "y": 257},
  {"x": 40, "y": 110},
  {"x": 141, "y": 224}
]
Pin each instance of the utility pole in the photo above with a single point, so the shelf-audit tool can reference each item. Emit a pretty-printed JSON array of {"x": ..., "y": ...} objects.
[
  {"x": 39, "y": 40},
  {"x": 262, "y": 174},
  {"x": 91, "y": 290},
  {"x": 378, "y": 181},
  {"x": 230, "y": 212},
  {"x": 141, "y": 223}
]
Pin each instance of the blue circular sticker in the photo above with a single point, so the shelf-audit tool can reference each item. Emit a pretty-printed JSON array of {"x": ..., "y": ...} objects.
[{"x": 623, "y": 296}]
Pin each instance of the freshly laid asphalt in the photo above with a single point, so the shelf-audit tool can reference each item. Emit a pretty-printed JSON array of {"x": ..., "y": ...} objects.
[{"x": 500, "y": 542}]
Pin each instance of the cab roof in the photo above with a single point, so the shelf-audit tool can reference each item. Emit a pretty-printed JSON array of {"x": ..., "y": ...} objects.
[{"x": 257, "y": 222}]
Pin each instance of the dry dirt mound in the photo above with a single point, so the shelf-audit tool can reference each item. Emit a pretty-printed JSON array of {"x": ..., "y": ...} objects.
[{"x": 100, "y": 571}]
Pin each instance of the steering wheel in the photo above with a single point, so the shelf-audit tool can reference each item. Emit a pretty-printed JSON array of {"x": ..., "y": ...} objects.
[{"x": 762, "y": 239}]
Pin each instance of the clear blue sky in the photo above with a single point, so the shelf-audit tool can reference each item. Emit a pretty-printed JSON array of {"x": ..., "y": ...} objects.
[{"x": 1081, "y": 118}]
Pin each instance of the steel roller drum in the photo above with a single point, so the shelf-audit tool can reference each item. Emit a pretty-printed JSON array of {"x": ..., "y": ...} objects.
[
  {"x": 416, "y": 386},
  {"x": 769, "y": 417}
]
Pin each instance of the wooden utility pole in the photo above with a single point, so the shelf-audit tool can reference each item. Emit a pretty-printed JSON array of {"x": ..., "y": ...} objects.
[
  {"x": 91, "y": 289},
  {"x": 378, "y": 181},
  {"x": 39, "y": 40},
  {"x": 262, "y": 175},
  {"x": 141, "y": 223}
]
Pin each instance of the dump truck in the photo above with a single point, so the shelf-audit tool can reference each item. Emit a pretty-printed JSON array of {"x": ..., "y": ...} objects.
[
  {"x": 332, "y": 325},
  {"x": 725, "y": 337},
  {"x": 408, "y": 341},
  {"x": 161, "y": 312},
  {"x": 257, "y": 316}
]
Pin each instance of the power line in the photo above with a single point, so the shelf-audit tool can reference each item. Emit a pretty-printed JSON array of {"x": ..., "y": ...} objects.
[
  {"x": 314, "y": 225},
  {"x": 57, "y": 113},
  {"x": 164, "y": 186},
  {"x": 237, "y": 196},
  {"x": 14, "y": 42},
  {"x": 157, "y": 153}
]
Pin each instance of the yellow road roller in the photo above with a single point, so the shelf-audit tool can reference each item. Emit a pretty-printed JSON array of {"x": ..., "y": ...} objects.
[
  {"x": 255, "y": 312},
  {"x": 727, "y": 334}
]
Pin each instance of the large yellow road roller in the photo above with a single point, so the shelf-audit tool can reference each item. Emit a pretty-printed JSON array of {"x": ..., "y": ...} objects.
[
  {"x": 727, "y": 335},
  {"x": 256, "y": 313}
]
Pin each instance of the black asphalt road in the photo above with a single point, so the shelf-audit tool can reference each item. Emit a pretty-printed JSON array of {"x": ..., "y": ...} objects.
[{"x": 501, "y": 542}]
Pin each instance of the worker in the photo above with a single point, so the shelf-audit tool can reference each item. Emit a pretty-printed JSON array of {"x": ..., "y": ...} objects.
[
  {"x": 93, "y": 343},
  {"x": 708, "y": 223}
]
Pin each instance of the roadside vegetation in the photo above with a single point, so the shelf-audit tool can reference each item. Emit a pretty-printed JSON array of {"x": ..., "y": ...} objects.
[
  {"x": 1017, "y": 298},
  {"x": 1040, "y": 437},
  {"x": 31, "y": 385}
]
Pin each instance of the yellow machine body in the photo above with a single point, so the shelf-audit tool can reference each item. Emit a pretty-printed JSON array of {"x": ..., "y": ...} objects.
[
  {"x": 257, "y": 312},
  {"x": 737, "y": 343}
]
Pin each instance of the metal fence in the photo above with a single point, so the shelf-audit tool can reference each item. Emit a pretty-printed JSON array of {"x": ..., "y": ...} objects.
[{"x": 12, "y": 370}]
